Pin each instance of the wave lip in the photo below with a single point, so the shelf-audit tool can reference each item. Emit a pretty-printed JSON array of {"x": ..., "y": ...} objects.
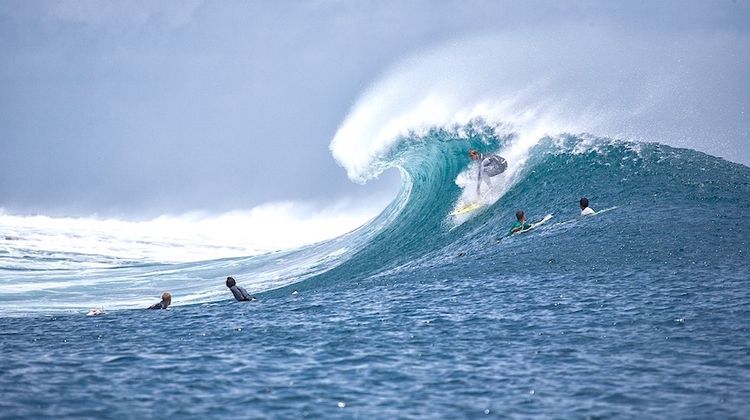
[{"x": 562, "y": 80}]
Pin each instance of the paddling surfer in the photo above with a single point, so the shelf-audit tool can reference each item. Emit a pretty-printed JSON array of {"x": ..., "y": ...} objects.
[
  {"x": 166, "y": 300},
  {"x": 239, "y": 292},
  {"x": 585, "y": 209},
  {"x": 521, "y": 224}
]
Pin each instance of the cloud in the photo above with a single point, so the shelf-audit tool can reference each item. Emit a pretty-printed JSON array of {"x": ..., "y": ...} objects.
[{"x": 114, "y": 14}]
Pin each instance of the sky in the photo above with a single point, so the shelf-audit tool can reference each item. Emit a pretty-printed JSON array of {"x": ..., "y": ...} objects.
[{"x": 140, "y": 108}]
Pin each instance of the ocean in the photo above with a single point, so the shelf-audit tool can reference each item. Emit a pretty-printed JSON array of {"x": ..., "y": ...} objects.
[{"x": 641, "y": 310}]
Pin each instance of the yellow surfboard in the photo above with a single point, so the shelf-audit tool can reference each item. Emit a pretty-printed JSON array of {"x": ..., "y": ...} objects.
[{"x": 472, "y": 207}]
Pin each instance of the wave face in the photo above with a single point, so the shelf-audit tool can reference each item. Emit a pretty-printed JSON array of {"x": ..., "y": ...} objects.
[
  {"x": 628, "y": 311},
  {"x": 667, "y": 209}
]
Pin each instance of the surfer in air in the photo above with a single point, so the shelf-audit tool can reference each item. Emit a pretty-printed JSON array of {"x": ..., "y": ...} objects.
[
  {"x": 585, "y": 209},
  {"x": 521, "y": 224},
  {"x": 239, "y": 292},
  {"x": 489, "y": 165}
]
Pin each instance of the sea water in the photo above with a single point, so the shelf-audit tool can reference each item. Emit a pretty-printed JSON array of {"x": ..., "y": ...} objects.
[{"x": 639, "y": 311}]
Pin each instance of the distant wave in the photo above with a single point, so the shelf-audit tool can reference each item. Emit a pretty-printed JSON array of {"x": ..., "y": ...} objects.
[
  {"x": 49, "y": 264},
  {"x": 90, "y": 242}
]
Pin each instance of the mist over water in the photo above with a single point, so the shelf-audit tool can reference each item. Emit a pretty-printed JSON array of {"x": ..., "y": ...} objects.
[{"x": 683, "y": 89}]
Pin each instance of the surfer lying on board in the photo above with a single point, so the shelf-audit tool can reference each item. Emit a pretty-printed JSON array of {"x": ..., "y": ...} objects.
[
  {"x": 521, "y": 224},
  {"x": 239, "y": 292},
  {"x": 489, "y": 165}
]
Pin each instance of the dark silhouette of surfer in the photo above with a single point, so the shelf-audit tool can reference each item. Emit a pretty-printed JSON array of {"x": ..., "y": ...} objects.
[
  {"x": 166, "y": 300},
  {"x": 239, "y": 292}
]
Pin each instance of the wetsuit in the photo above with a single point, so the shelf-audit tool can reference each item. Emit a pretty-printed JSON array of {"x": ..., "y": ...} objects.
[
  {"x": 160, "y": 305},
  {"x": 241, "y": 294},
  {"x": 519, "y": 227},
  {"x": 489, "y": 166}
]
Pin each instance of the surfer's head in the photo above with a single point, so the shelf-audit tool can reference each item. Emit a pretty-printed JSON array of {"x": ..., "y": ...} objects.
[
  {"x": 474, "y": 155},
  {"x": 166, "y": 297},
  {"x": 584, "y": 202},
  {"x": 231, "y": 282},
  {"x": 520, "y": 216}
]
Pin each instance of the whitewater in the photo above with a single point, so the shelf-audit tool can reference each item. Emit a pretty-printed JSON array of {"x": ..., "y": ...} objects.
[{"x": 638, "y": 311}]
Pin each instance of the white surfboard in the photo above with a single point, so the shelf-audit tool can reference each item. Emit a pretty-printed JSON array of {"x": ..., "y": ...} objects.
[{"x": 537, "y": 224}]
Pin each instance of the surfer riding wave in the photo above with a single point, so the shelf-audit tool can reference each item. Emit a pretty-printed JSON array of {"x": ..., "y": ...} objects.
[{"x": 490, "y": 165}]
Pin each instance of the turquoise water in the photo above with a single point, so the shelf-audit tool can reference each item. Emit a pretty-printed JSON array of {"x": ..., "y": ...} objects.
[{"x": 639, "y": 311}]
